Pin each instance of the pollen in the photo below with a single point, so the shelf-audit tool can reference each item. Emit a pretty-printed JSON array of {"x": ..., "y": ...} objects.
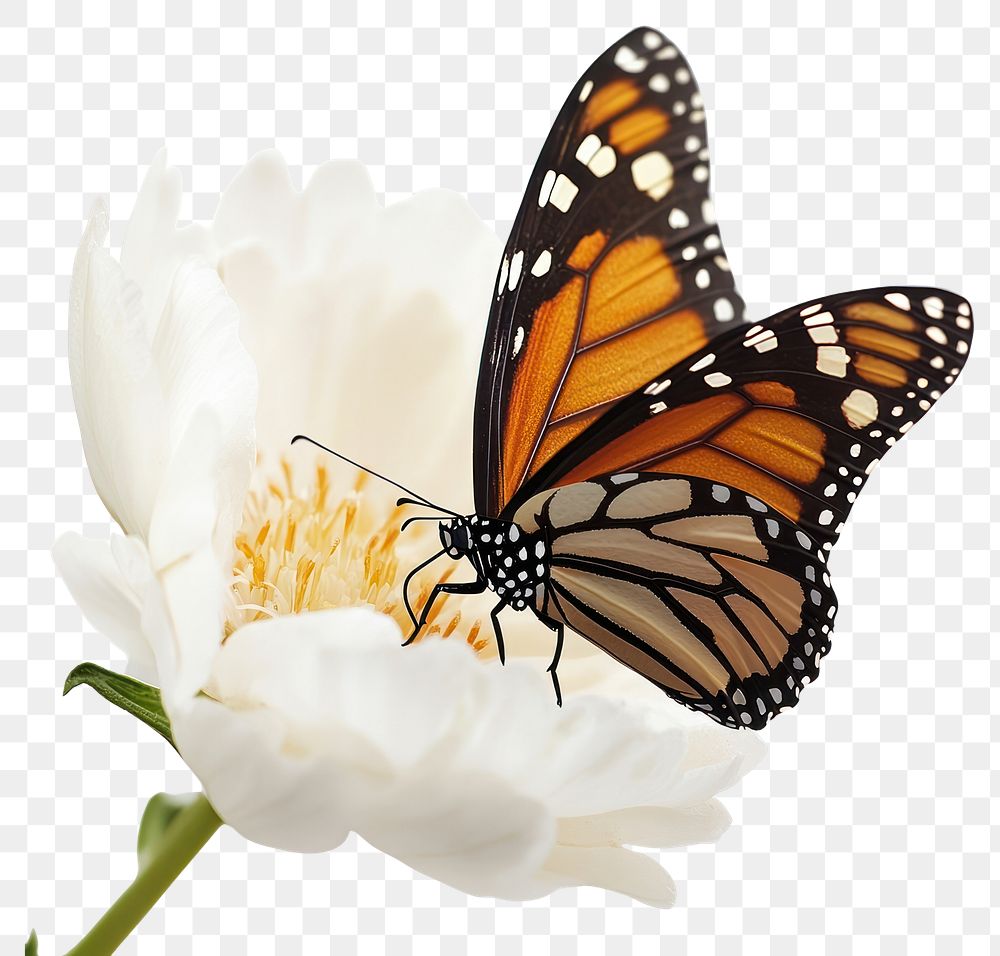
[{"x": 303, "y": 546}]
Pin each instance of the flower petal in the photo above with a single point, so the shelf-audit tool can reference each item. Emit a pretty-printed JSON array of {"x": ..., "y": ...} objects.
[
  {"x": 614, "y": 868},
  {"x": 118, "y": 402},
  {"x": 154, "y": 246},
  {"x": 648, "y": 826},
  {"x": 417, "y": 275},
  {"x": 459, "y": 768},
  {"x": 210, "y": 385},
  {"x": 301, "y": 232},
  {"x": 93, "y": 577}
]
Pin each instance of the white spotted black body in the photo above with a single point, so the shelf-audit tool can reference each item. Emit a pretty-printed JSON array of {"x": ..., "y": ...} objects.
[{"x": 511, "y": 562}]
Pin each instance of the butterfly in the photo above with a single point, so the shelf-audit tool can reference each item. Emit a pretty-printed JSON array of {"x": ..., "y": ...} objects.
[{"x": 650, "y": 471}]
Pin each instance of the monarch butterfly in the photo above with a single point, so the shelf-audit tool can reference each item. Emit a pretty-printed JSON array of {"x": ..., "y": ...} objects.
[{"x": 649, "y": 471}]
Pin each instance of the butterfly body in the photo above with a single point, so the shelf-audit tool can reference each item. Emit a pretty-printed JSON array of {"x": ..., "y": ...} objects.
[
  {"x": 508, "y": 560},
  {"x": 651, "y": 471}
]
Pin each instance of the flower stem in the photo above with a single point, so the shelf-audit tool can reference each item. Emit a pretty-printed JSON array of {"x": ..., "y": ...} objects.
[{"x": 188, "y": 833}]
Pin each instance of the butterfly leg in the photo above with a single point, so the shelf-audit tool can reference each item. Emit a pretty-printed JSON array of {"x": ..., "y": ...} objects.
[
  {"x": 559, "y": 629},
  {"x": 464, "y": 587},
  {"x": 498, "y": 633}
]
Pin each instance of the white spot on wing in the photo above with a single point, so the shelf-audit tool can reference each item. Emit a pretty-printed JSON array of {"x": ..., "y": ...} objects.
[
  {"x": 603, "y": 162},
  {"x": 717, "y": 379},
  {"x": 548, "y": 182},
  {"x": 517, "y": 260},
  {"x": 518, "y": 341},
  {"x": 934, "y": 307},
  {"x": 832, "y": 360},
  {"x": 723, "y": 309},
  {"x": 678, "y": 219},
  {"x": 542, "y": 264},
  {"x": 627, "y": 60},
  {"x": 935, "y": 334},
  {"x": 763, "y": 340},
  {"x": 658, "y": 83},
  {"x": 898, "y": 299},
  {"x": 703, "y": 362},
  {"x": 585, "y": 91},
  {"x": 860, "y": 408},
  {"x": 564, "y": 192},
  {"x": 590, "y": 145},
  {"x": 824, "y": 335},
  {"x": 824, "y": 318},
  {"x": 502, "y": 278},
  {"x": 653, "y": 174}
]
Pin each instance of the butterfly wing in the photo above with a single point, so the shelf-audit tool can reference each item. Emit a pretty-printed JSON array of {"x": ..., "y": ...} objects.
[
  {"x": 704, "y": 590},
  {"x": 796, "y": 411},
  {"x": 614, "y": 269}
]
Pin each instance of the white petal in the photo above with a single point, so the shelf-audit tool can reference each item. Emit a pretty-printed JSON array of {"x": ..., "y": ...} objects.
[
  {"x": 93, "y": 577},
  {"x": 300, "y": 232},
  {"x": 320, "y": 724},
  {"x": 417, "y": 275},
  {"x": 477, "y": 833},
  {"x": 648, "y": 826},
  {"x": 118, "y": 401},
  {"x": 136, "y": 396},
  {"x": 614, "y": 868},
  {"x": 154, "y": 246},
  {"x": 210, "y": 387}
]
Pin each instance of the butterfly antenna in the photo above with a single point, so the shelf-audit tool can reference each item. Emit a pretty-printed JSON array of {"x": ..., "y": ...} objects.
[
  {"x": 406, "y": 524},
  {"x": 414, "y": 497}
]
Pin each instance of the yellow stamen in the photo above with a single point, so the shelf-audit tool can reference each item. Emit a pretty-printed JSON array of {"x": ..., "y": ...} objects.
[{"x": 303, "y": 548}]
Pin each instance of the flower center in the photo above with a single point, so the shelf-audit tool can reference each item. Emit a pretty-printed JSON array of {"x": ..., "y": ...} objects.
[{"x": 302, "y": 547}]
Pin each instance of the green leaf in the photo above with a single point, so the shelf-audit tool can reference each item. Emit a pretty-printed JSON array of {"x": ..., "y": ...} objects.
[
  {"x": 31, "y": 947},
  {"x": 159, "y": 814},
  {"x": 139, "y": 699}
]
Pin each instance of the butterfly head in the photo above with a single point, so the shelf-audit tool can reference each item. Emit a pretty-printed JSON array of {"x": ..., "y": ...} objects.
[{"x": 456, "y": 536}]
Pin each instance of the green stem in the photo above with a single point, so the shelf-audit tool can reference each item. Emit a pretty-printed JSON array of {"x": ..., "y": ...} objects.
[{"x": 188, "y": 833}]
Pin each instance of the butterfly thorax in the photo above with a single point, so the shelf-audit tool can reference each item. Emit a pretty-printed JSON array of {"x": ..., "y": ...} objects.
[{"x": 512, "y": 562}]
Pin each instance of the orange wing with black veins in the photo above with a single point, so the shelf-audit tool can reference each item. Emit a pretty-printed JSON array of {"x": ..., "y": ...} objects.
[{"x": 614, "y": 269}]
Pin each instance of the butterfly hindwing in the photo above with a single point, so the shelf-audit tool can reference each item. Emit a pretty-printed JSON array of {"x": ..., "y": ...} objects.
[
  {"x": 797, "y": 410},
  {"x": 613, "y": 270},
  {"x": 701, "y": 588}
]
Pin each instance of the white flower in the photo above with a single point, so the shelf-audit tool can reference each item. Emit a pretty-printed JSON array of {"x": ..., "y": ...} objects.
[{"x": 260, "y": 586}]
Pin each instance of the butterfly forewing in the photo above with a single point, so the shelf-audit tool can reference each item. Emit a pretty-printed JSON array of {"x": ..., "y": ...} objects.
[
  {"x": 797, "y": 410},
  {"x": 614, "y": 268},
  {"x": 701, "y": 588}
]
